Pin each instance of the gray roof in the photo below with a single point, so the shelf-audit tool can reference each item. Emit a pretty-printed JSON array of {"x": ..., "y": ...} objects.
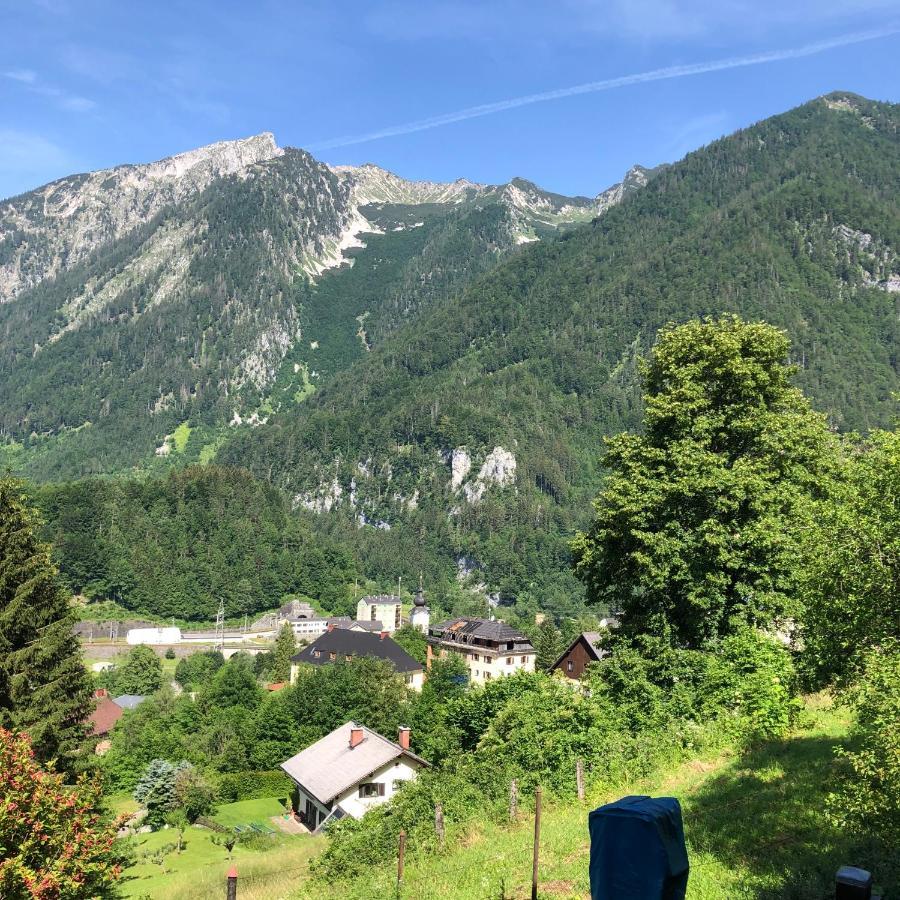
[
  {"x": 129, "y": 701},
  {"x": 330, "y": 766},
  {"x": 343, "y": 642},
  {"x": 483, "y": 629}
]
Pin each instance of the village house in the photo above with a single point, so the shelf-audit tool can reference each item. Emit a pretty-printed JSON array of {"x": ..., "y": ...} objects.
[
  {"x": 311, "y": 628},
  {"x": 347, "y": 643},
  {"x": 584, "y": 650},
  {"x": 490, "y": 649},
  {"x": 101, "y": 721},
  {"x": 348, "y": 772},
  {"x": 384, "y": 608}
]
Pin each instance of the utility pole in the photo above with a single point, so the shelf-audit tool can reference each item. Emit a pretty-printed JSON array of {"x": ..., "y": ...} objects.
[{"x": 220, "y": 626}]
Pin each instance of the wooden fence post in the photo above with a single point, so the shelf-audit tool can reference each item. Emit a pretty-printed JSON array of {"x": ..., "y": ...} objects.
[
  {"x": 537, "y": 843},
  {"x": 513, "y": 800},
  {"x": 579, "y": 779},
  {"x": 439, "y": 823},
  {"x": 400, "y": 854},
  {"x": 231, "y": 884}
]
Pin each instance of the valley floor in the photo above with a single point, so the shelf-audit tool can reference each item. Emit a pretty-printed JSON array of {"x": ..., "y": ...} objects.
[{"x": 754, "y": 821}]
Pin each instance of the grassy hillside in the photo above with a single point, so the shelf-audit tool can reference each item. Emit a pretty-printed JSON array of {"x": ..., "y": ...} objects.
[
  {"x": 793, "y": 221},
  {"x": 754, "y": 824}
]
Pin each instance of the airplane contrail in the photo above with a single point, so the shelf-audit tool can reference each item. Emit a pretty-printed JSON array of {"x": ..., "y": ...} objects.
[{"x": 608, "y": 84}]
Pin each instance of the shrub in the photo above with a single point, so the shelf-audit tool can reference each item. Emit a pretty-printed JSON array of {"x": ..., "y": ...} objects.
[
  {"x": 55, "y": 843},
  {"x": 194, "y": 794},
  {"x": 869, "y": 798},
  {"x": 234, "y": 786}
]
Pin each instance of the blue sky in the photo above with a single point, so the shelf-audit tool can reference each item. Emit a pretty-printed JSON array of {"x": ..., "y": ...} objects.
[{"x": 90, "y": 84}]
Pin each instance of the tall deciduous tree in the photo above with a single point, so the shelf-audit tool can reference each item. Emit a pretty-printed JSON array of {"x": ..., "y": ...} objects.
[
  {"x": 696, "y": 526},
  {"x": 852, "y": 574},
  {"x": 137, "y": 672},
  {"x": 44, "y": 688}
]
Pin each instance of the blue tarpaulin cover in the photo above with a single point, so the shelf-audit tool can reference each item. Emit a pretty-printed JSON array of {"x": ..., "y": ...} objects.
[{"x": 637, "y": 850}]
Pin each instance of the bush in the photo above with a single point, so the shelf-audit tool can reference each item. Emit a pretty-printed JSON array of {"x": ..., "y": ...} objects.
[
  {"x": 194, "y": 794},
  {"x": 869, "y": 799},
  {"x": 235, "y": 786},
  {"x": 170, "y": 653}
]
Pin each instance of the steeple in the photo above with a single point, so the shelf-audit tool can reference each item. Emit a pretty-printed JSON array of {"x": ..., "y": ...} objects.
[{"x": 420, "y": 617}]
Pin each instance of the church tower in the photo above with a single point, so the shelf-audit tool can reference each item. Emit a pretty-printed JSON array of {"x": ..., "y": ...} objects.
[{"x": 420, "y": 617}]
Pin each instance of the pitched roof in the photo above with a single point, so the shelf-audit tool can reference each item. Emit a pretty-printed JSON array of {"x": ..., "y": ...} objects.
[
  {"x": 485, "y": 629},
  {"x": 105, "y": 715},
  {"x": 343, "y": 642},
  {"x": 591, "y": 638},
  {"x": 381, "y": 598},
  {"x": 330, "y": 766},
  {"x": 129, "y": 701}
]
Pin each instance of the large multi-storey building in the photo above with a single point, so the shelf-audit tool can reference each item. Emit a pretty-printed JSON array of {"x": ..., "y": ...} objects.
[
  {"x": 384, "y": 608},
  {"x": 490, "y": 649}
]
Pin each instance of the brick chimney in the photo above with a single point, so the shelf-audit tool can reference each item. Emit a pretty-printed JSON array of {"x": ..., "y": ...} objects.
[
  {"x": 356, "y": 736},
  {"x": 383, "y": 634},
  {"x": 403, "y": 736},
  {"x": 330, "y": 626}
]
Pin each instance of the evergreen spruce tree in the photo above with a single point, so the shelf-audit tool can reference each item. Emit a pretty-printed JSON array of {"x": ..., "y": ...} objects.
[
  {"x": 548, "y": 645},
  {"x": 44, "y": 687},
  {"x": 285, "y": 648}
]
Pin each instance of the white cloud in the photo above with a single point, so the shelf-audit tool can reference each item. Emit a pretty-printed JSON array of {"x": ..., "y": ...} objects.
[{"x": 26, "y": 76}]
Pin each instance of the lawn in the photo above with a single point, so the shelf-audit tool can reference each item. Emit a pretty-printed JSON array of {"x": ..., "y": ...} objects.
[
  {"x": 270, "y": 868},
  {"x": 754, "y": 822},
  {"x": 249, "y": 812}
]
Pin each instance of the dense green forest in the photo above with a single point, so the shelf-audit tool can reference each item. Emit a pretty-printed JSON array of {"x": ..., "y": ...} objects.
[
  {"x": 793, "y": 221},
  {"x": 177, "y": 546}
]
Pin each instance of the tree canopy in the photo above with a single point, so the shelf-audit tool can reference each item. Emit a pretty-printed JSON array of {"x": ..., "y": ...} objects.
[
  {"x": 44, "y": 687},
  {"x": 696, "y": 526}
]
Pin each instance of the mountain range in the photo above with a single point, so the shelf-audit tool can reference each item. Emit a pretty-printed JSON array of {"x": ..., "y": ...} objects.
[{"x": 429, "y": 369}]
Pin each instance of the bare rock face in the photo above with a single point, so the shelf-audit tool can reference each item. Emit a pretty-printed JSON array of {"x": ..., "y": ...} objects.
[{"x": 56, "y": 226}]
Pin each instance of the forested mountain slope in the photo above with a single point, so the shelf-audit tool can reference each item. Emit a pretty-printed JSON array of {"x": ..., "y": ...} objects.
[
  {"x": 477, "y": 431},
  {"x": 219, "y": 285}
]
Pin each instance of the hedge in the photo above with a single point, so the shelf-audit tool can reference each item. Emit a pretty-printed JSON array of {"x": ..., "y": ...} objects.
[{"x": 234, "y": 786}]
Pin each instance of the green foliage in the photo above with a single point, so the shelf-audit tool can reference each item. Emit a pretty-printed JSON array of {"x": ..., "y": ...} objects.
[
  {"x": 195, "y": 670},
  {"x": 156, "y": 789},
  {"x": 179, "y": 545},
  {"x": 851, "y": 586},
  {"x": 55, "y": 841},
  {"x": 194, "y": 795},
  {"x": 139, "y": 671},
  {"x": 549, "y": 645},
  {"x": 285, "y": 648},
  {"x": 868, "y": 801},
  {"x": 363, "y": 690},
  {"x": 697, "y": 526},
  {"x": 412, "y": 641},
  {"x": 234, "y": 786},
  {"x": 233, "y": 685},
  {"x": 44, "y": 688}
]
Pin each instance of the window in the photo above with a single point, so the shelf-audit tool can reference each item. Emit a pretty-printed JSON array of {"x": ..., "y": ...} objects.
[
  {"x": 487, "y": 676},
  {"x": 397, "y": 784},
  {"x": 570, "y": 666},
  {"x": 371, "y": 789},
  {"x": 316, "y": 653},
  {"x": 509, "y": 660},
  {"x": 348, "y": 657},
  {"x": 475, "y": 657},
  {"x": 409, "y": 679},
  {"x": 332, "y": 655},
  {"x": 524, "y": 660},
  {"x": 509, "y": 645}
]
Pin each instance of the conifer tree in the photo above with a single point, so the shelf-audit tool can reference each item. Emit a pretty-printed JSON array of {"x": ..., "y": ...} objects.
[
  {"x": 44, "y": 687},
  {"x": 548, "y": 645},
  {"x": 285, "y": 648}
]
